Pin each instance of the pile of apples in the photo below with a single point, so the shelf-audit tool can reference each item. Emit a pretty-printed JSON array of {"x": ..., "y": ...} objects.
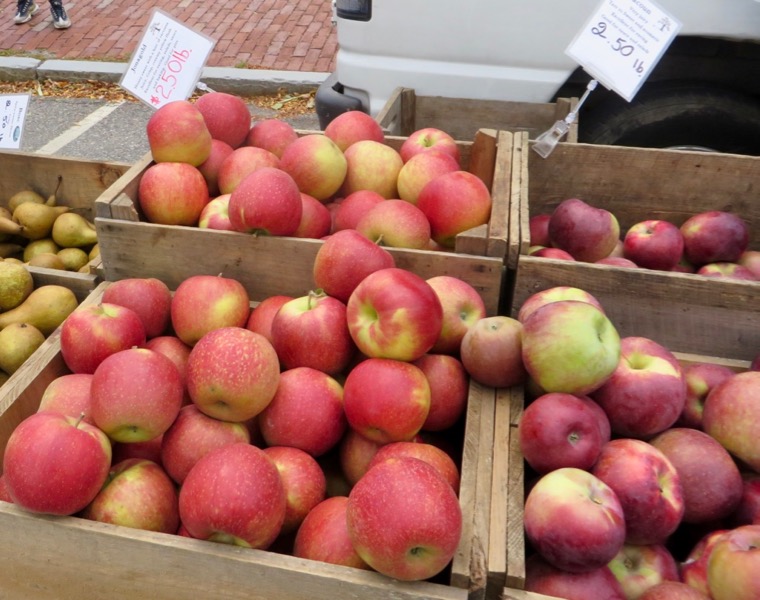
[
  {"x": 214, "y": 169},
  {"x": 643, "y": 474},
  {"x": 712, "y": 243},
  {"x": 325, "y": 426}
]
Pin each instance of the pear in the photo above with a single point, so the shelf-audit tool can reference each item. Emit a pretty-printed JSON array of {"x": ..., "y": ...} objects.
[
  {"x": 45, "y": 245},
  {"x": 45, "y": 308},
  {"x": 10, "y": 249},
  {"x": 4, "y": 212},
  {"x": 3, "y": 377},
  {"x": 47, "y": 260},
  {"x": 9, "y": 226},
  {"x": 52, "y": 199},
  {"x": 24, "y": 196},
  {"x": 37, "y": 219},
  {"x": 94, "y": 252},
  {"x": 71, "y": 230},
  {"x": 18, "y": 342},
  {"x": 73, "y": 258},
  {"x": 16, "y": 284}
]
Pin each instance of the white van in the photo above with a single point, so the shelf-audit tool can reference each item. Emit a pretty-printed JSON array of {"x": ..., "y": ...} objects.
[{"x": 705, "y": 91}]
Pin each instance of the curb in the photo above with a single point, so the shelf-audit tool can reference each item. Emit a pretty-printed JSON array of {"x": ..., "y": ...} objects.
[{"x": 244, "y": 82}]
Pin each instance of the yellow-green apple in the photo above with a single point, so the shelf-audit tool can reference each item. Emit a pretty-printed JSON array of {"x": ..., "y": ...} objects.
[
  {"x": 194, "y": 434},
  {"x": 267, "y": 202},
  {"x": 232, "y": 373},
  {"x": 672, "y": 590},
  {"x": 426, "y": 139},
  {"x": 714, "y": 236},
  {"x": 559, "y": 430},
  {"x": 177, "y": 132},
  {"x": 306, "y": 412},
  {"x": 654, "y": 244},
  {"x": 260, "y": 319},
  {"x": 316, "y": 220},
  {"x": 344, "y": 260},
  {"x": 209, "y": 168},
  {"x": 639, "y": 568},
  {"x": 149, "y": 297},
  {"x": 311, "y": 331},
  {"x": 175, "y": 350},
  {"x": 242, "y": 162},
  {"x": 586, "y": 232},
  {"x": 391, "y": 525},
  {"x": 647, "y": 485},
  {"x": 149, "y": 450},
  {"x": 386, "y": 400},
  {"x": 732, "y": 416},
  {"x": 542, "y": 577},
  {"x": 538, "y": 227},
  {"x": 549, "y": 252},
  {"x": 271, "y": 134},
  {"x": 700, "y": 378},
  {"x": 317, "y": 165},
  {"x": 553, "y": 294},
  {"x": 136, "y": 395},
  {"x": 492, "y": 351},
  {"x": 371, "y": 165},
  {"x": 353, "y": 207},
  {"x": 646, "y": 393},
  {"x": 92, "y": 333},
  {"x": 216, "y": 214},
  {"x": 454, "y": 202},
  {"x": 304, "y": 482},
  {"x": 353, "y": 126},
  {"x": 462, "y": 308},
  {"x": 570, "y": 346},
  {"x": 617, "y": 261},
  {"x": 323, "y": 535},
  {"x": 733, "y": 568},
  {"x": 574, "y": 520},
  {"x": 138, "y": 494},
  {"x": 420, "y": 169},
  {"x": 449, "y": 388},
  {"x": 355, "y": 452},
  {"x": 433, "y": 455},
  {"x": 396, "y": 223},
  {"x": 202, "y": 303},
  {"x": 711, "y": 482},
  {"x": 226, "y": 115},
  {"x": 750, "y": 259},
  {"x": 69, "y": 394},
  {"x": 693, "y": 569},
  {"x": 726, "y": 270},
  {"x": 172, "y": 193},
  {"x": 748, "y": 511},
  {"x": 55, "y": 464},
  {"x": 394, "y": 313},
  {"x": 234, "y": 495}
]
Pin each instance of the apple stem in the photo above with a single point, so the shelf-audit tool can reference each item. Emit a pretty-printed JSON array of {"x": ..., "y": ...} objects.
[
  {"x": 313, "y": 295},
  {"x": 79, "y": 420}
]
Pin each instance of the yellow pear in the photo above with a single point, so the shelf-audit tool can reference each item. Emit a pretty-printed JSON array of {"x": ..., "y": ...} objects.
[
  {"x": 18, "y": 342},
  {"x": 4, "y": 212},
  {"x": 94, "y": 252},
  {"x": 45, "y": 308},
  {"x": 47, "y": 260},
  {"x": 71, "y": 230},
  {"x": 16, "y": 284},
  {"x": 9, "y": 226},
  {"x": 37, "y": 219},
  {"x": 73, "y": 258},
  {"x": 24, "y": 196},
  {"x": 45, "y": 245}
]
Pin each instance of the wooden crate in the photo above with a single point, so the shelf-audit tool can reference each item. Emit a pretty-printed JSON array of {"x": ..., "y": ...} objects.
[
  {"x": 685, "y": 312},
  {"x": 406, "y": 112}
]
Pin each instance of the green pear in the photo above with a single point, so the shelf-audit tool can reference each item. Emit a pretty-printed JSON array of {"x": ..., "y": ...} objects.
[
  {"x": 16, "y": 284},
  {"x": 24, "y": 196},
  {"x": 73, "y": 258},
  {"x": 71, "y": 230},
  {"x": 42, "y": 246},
  {"x": 18, "y": 342},
  {"x": 48, "y": 260},
  {"x": 37, "y": 219},
  {"x": 45, "y": 308}
]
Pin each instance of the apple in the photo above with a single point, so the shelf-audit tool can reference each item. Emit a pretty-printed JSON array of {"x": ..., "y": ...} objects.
[
  {"x": 647, "y": 485},
  {"x": 570, "y": 346},
  {"x": 209, "y": 168},
  {"x": 216, "y": 214},
  {"x": 149, "y": 449},
  {"x": 226, "y": 115},
  {"x": 242, "y": 162},
  {"x": 4, "y": 495},
  {"x": 732, "y": 568},
  {"x": 449, "y": 389},
  {"x": 748, "y": 510},
  {"x": 433, "y": 455},
  {"x": 172, "y": 193},
  {"x": 149, "y": 297},
  {"x": 586, "y": 232},
  {"x": 391, "y": 525},
  {"x": 542, "y": 577},
  {"x": 271, "y": 134},
  {"x": 266, "y": 202},
  {"x": 394, "y": 313},
  {"x": 574, "y": 520},
  {"x": 646, "y": 393},
  {"x": 177, "y": 132},
  {"x": 353, "y": 126},
  {"x": 234, "y": 495},
  {"x": 454, "y": 202},
  {"x": 260, "y": 318},
  {"x": 92, "y": 333},
  {"x": 175, "y": 350},
  {"x": 672, "y": 590},
  {"x": 55, "y": 464},
  {"x": 427, "y": 139},
  {"x": 355, "y": 452},
  {"x": 654, "y": 244},
  {"x": 555, "y": 253},
  {"x": 750, "y": 259},
  {"x": 462, "y": 308},
  {"x": 727, "y": 270},
  {"x": 316, "y": 164},
  {"x": 420, "y": 169},
  {"x": 138, "y": 494},
  {"x": 538, "y": 228},
  {"x": 396, "y": 223},
  {"x": 202, "y": 303},
  {"x": 639, "y": 568},
  {"x": 353, "y": 207},
  {"x": 344, "y": 260},
  {"x": 732, "y": 416},
  {"x": 371, "y": 165},
  {"x": 700, "y": 379},
  {"x": 714, "y": 236},
  {"x": 306, "y": 412},
  {"x": 617, "y": 261},
  {"x": 693, "y": 569},
  {"x": 69, "y": 394},
  {"x": 553, "y": 294},
  {"x": 323, "y": 535},
  {"x": 316, "y": 220},
  {"x": 232, "y": 373},
  {"x": 492, "y": 352}
]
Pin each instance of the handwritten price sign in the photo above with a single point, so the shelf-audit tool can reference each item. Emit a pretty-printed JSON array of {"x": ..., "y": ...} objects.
[
  {"x": 13, "y": 109},
  {"x": 168, "y": 61},
  {"x": 622, "y": 42}
]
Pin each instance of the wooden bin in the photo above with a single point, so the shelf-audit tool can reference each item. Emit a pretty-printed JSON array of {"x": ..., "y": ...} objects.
[
  {"x": 405, "y": 112},
  {"x": 82, "y": 182},
  {"x": 108, "y": 560},
  {"x": 685, "y": 312}
]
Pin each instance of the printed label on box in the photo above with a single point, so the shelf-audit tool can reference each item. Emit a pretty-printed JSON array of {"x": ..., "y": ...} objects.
[{"x": 13, "y": 109}]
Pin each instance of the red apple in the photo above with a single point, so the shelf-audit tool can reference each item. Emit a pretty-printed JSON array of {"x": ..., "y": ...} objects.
[
  {"x": 726, "y": 270},
  {"x": 316, "y": 220},
  {"x": 654, "y": 244},
  {"x": 555, "y": 253},
  {"x": 542, "y": 577},
  {"x": 172, "y": 193},
  {"x": 422, "y": 168},
  {"x": 209, "y": 168},
  {"x": 733, "y": 569},
  {"x": 69, "y": 394},
  {"x": 175, "y": 350},
  {"x": 149, "y": 450},
  {"x": 149, "y": 297},
  {"x": 586, "y": 232},
  {"x": 216, "y": 214},
  {"x": 177, "y": 132},
  {"x": 750, "y": 259},
  {"x": 396, "y": 223},
  {"x": 4, "y": 495},
  {"x": 434, "y": 456},
  {"x": 694, "y": 567},
  {"x": 639, "y": 568},
  {"x": 491, "y": 352},
  {"x": 266, "y": 202},
  {"x": 748, "y": 510},
  {"x": 714, "y": 236},
  {"x": 427, "y": 139},
  {"x": 672, "y": 590},
  {"x": 700, "y": 379},
  {"x": 449, "y": 389},
  {"x": 617, "y": 261},
  {"x": 353, "y": 126},
  {"x": 226, "y": 115},
  {"x": 316, "y": 164},
  {"x": 355, "y": 452},
  {"x": 240, "y": 163},
  {"x": 553, "y": 294},
  {"x": 462, "y": 308},
  {"x": 371, "y": 165},
  {"x": 271, "y": 134},
  {"x": 353, "y": 207},
  {"x": 260, "y": 319},
  {"x": 538, "y": 226}
]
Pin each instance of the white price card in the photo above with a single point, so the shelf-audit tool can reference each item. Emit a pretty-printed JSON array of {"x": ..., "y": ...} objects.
[
  {"x": 622, "y": 42},
  {"x": 13, "y": 109},
  {"x": 167, "y": 62}
]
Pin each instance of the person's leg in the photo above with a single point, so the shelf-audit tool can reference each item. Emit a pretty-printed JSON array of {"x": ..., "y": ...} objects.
[
  {"x": 60, "y": 18},
  {"x": 26, "y": 8}
]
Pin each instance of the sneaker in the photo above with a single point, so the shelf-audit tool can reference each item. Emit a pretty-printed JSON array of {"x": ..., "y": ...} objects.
[
  {"x": 27, "y": 9},
  {"x": 60, "y": 20}
]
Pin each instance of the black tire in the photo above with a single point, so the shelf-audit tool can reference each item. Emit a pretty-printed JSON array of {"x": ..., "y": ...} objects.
[{"x": 676, "y": 116}]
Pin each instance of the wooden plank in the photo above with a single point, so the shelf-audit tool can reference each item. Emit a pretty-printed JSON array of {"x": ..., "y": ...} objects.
[
  {"x": 397, "y": 116},
  {"x": 502, "y": 164},
  {"x": 516, "y": 497},
  {"x": 497, "y": 547},
  {"x": 82, "y": 284},
  {"x": 126, "y": 184}
]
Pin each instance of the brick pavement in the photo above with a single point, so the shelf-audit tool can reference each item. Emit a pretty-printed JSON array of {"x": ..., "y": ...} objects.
[{"x": 288, "y": 35}]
